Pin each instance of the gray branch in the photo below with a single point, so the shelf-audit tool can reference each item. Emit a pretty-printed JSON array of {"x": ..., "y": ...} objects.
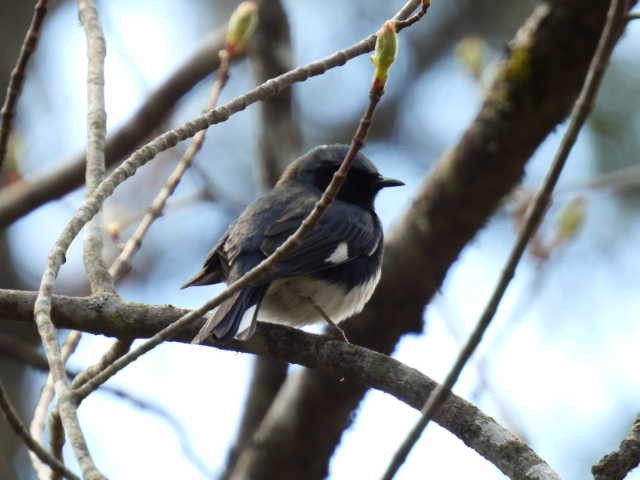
[
  {"x": 18, "y": 200},
  {"x": 616, "y": 465},
  {"x": 534, "y": 90},
  {"x": 335, "y": 360}
]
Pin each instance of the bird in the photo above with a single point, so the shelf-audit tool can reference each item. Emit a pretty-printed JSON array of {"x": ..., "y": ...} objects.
[{"x": 329, "y": 276}]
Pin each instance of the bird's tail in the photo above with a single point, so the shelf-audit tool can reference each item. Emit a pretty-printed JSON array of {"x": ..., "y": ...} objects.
[{"x": 235, "y": 317}]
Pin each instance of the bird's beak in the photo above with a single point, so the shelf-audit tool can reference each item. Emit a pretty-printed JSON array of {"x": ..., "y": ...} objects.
[{"x": 384, "y": 182}]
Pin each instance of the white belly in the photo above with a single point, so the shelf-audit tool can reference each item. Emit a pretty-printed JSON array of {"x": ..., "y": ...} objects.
[{"x": 287, "y": 300}]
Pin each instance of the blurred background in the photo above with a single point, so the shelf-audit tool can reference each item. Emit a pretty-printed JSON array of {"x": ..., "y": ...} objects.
[{"x": 560, "y": 364}]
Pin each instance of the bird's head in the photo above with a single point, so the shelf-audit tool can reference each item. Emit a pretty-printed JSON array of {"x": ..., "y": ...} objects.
[{"x": 316, "y": 168}]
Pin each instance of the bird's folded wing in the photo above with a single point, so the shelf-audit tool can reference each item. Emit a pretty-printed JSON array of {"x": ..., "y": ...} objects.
[{"x": 339, "y": 237}]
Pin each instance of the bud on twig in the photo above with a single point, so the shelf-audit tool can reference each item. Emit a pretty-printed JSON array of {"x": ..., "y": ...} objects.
[
  {"x": 570, "y": 220},
  {"x": 385, "y": 54},
  {"x": 242, "y": 24}
]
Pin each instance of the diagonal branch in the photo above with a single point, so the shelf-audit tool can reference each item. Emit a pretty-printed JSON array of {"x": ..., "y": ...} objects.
[
  {"x": 279, "y": 141},
  {"x": 91, "y": 206},
  {"x": 581, "y": 110},
  {"x": 533, "y": 91},
  {"x": 10, "y": 414},
  {"x": 8, "y": 111},
  {"x": 333, "y": 359},
  {"x": 616, "y": 465},
  {"x": 18, "y": 200}
]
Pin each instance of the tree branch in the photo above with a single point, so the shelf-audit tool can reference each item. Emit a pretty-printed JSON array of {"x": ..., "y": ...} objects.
[
  {"x": 581, "y": 110},
  {"x": 533, "y": 91},
  {"x": 99, "y": 277},
  {"x": 169, "y": 139},
  {"x": 8, "y": 111},
  {"x": 108, "y": 315},
  {"x": 616, "y": 465},
  {"x": 18, "y": 200},
  {"x": 10, "y": 414},
  {"x": 279, "y": 141}
]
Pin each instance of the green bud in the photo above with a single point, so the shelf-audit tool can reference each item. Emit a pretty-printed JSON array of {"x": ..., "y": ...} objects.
[
  {"x": 385, "y": 53},
  {"x": 570, "y": 220},
  {"x": 242, "y": 24},
  {"x": 472, "y": 52}
]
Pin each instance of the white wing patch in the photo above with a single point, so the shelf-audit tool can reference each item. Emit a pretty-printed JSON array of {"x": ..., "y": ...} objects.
[
  {"x": 339, "y": 255},
  {"x": 246, "y": 323}
]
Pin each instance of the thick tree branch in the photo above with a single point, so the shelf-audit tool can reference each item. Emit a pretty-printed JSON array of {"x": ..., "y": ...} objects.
[
  {"x": 108, "y": 315},
  {"x": 533, "y": 91},
  {"x": 143, "y": 155},
  {"x": 535, "y": 214}
]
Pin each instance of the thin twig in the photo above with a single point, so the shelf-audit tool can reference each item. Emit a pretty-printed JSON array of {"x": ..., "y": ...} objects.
[
  {"x": 581, "y": 110},
  {"x": 400, "y": 23},
  {"x": 37, "y": 425},
  {"x": 34, "y": 447},
  {"x": 121, "y": 265},
  {"x": 67, "y": 407},
  {"x": 279, "y": 139},
  {"x": 42, "y": 308},
  {"x": 16, "y": 81},
  {"x": 99, "y": 278},
  {"x": 256, "y": 272},
  {"x": 94, "y": 264},
  {"x": 17, "y": 201},
  {"x": 633, "y": 16},
  {"x": 616, "y": 465},
  {"x": 329, "y": 194},
  {"x": 117, "y": 349},
  {"x": 20, "y": 201}
]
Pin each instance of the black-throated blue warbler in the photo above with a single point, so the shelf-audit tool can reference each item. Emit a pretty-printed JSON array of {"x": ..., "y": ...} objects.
[{"x": 333, "y": 272}]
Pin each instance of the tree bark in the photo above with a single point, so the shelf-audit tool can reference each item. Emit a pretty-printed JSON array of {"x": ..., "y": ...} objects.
[{"x": 532, "y": 93}]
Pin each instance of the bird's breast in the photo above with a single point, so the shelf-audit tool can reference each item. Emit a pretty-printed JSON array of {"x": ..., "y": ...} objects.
[{"x": 291, "y": 300}]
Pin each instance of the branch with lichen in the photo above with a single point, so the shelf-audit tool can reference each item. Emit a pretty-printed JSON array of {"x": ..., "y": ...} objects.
[
  {"x": 91, "y": 205},
  {"x": 617, "y": 465},
  {"x": 581, "y": 110},
  {"x": 99, "y": 279},
  {"x": 354, "y": 364},
  {"x": 532, "y": 92}
]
